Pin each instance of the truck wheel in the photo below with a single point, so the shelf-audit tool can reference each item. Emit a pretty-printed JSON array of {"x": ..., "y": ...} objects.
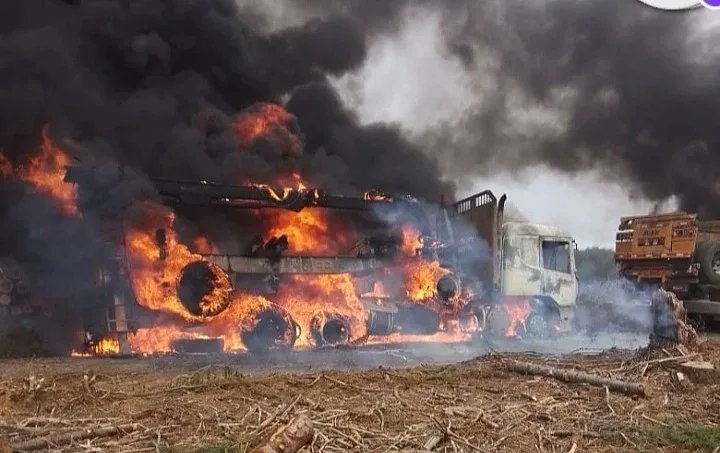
[{"x": 707, "y": 254}]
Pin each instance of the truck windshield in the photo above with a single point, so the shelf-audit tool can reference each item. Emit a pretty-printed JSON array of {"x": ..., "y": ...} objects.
[{"x": 556, "y": 256}]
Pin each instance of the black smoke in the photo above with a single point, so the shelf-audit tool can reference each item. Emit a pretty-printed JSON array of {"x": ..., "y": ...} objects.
[
  {"x": 615, "y": 87},
  {"x": 612, "y": 86},
  {"x": 149, "y": 89}
]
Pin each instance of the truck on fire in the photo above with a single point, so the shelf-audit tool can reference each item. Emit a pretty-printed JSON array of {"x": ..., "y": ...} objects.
[
  {"x": 677, "y": 252},
  {"x": 508, "y": 279}
]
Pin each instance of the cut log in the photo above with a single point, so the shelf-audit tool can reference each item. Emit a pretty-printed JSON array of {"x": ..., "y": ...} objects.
[
  {"x": 700, "y": 372},
  {"x": 289, "y": 439},
  {"x": 615, "y": 385},
  {"x": 42, "y": 443}
]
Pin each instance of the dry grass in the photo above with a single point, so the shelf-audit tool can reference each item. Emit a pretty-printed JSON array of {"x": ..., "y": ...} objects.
[{"x": 474, "y": 406}]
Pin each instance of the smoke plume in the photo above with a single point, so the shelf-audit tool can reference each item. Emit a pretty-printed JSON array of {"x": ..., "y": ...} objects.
[
  {"x": 613, "y": 87},
  {"x": 151, "y": 90}
]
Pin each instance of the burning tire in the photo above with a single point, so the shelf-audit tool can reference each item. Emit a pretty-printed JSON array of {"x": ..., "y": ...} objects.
[
  {"x": 448, "y": 287},
  {"x": 204, "y": 288},
  {"x": 330, "y": 330},
  {"x": 270, "y": 328}
]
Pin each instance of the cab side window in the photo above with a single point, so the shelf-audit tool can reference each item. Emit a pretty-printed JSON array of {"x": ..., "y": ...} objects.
[{"x": 556, "y": 256}]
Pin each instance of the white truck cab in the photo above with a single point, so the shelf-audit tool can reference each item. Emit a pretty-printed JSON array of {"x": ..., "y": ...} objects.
[
  {"x": 530, "y": 267},
  {"x": 538, "y": 261}
]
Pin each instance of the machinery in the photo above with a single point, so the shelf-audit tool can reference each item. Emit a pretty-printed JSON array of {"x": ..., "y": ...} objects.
[
  {"x": 677, "y": 252},
  {"x": 508, "y": 279}
]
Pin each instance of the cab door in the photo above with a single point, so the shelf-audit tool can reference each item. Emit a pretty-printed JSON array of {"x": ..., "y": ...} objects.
[{"x": 557, "y": 262}]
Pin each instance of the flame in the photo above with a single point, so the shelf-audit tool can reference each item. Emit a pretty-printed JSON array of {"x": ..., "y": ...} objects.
[
  {"x": 412, "y": 240},
  {"x": 373, "y": 195},
  {"x": 378, "y": 292},
  {"x": 46, "y": 172},
  {"x": 303, "y": 296},
  {"x": 155, "y": 339},
  {"x": 518, "y": 309},
  {"x": 421, "y": 277},
  {"x": 6, "y": 168},
  {"x": 270, "y": 122},
  {"x": 307, "y": 230},
  {"x": 107, "y": 346},
  {"x": 204, "y": 246},
  {"x": 156, "y": 262},
  {"x": 154, "y": 280}
]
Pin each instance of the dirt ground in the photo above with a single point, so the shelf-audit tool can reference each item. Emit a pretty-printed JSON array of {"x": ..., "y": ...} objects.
[{"x": 230, "y": 403}]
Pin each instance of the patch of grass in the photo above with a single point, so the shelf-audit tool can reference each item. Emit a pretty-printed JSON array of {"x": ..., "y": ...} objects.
[{"x": 686, "y": 435}]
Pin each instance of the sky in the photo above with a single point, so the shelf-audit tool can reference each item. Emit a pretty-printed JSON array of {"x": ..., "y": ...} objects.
[{"x": 408, "y": 79}]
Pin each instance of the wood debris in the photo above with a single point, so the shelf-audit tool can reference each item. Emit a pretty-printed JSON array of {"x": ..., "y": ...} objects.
[
  {"x": 289, "y": 439},
  {"x": 480, "y": 405},
  {"x": 579, "y": 377}
]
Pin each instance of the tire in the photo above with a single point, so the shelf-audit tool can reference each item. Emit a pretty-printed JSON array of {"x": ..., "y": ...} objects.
[{"x": 707, "y": 254}]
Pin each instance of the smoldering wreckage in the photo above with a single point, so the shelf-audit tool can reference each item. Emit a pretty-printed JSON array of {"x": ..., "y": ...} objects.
[
  {"x": 217, "y": 220},
  {"x": 461, "y": 276},
  {"x": 314, "y": 269},
  {"x": 328, "y": 270},
  {"x": 271, "y": 228}
]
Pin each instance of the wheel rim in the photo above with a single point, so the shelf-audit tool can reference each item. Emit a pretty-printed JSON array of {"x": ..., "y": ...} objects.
[
  {"x": 536, "y": 326},
  {"x": 716, "y": 263}
]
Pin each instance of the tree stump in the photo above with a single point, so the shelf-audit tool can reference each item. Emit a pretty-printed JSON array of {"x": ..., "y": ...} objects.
[
  {"x": 700, "y": 372},
  {"x": 670, "y": 321}
]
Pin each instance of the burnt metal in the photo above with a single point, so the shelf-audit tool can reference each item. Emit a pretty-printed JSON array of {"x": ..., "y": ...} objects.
[
  {"x": 448, "y": 287},
  {"x": 380, "y": 322},
  {"x": 275, "y": 247},
  {"x": 255, "y": 247},
  {"x": 417, "y": 320},
  {"x": 197, "y": 281},
  {"x": 330, "y": 330},
  {"x": 270, "y": 328},
  {"x": 296, "y": 264},
  {"x": 497, "y": 321},
  {"x": 537, "y": 326}
]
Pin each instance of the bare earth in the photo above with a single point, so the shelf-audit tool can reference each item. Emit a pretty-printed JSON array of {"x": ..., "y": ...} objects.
[{"x": 230, "y": 403}]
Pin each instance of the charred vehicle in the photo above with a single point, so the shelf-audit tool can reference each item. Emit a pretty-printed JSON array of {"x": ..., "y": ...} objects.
[
  {"x": 313, "y": 269},
  {"x": 419, "y": 274},
  {"x": 677, "y": 252}
]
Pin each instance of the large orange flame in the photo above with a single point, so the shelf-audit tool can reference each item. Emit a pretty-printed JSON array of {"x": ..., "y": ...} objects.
[
  {"x": 155, "y": 271},
  {"x": 518, "y": 309},
  {"x": 46, "y": 172},
  {"x": 303, "y": 296},
  {"x": 157, "y": 257},
  {"x": 268, "y": 121},
  {"x": 421, "y": 277}
]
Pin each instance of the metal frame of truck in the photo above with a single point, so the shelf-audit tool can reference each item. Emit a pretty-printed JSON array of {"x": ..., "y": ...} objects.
[{"x": 677, "y": 252}]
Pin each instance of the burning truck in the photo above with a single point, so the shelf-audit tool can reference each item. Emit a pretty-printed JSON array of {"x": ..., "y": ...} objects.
[
  {"x": 418, "y": 275},
  {"x": 308, "y": 268}
]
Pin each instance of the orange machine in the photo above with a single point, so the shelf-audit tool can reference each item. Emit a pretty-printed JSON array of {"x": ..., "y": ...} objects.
[{"x": 676, "y": 251}]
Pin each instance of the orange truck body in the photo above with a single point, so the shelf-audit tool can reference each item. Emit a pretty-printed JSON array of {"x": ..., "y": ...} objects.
[{"x": 660, "y": 250}]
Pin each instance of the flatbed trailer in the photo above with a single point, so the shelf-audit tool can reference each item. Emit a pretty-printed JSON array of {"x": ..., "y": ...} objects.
[{"x": 678, "y": 252}]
